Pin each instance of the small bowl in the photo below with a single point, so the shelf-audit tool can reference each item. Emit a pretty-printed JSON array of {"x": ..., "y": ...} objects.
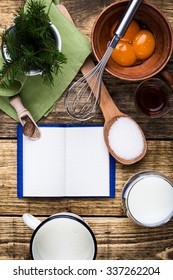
[{"x": 146, "y": 15}]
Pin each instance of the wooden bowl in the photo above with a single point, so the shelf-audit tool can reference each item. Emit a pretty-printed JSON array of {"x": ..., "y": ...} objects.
[{"x": 146, "y": 15}]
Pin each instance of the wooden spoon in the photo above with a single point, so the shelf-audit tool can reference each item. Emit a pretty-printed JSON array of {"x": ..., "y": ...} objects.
[
  {"x": 110, "y": 111},
  {"x": 30, "y": 128},
  {"x": 111, "y": 114}
]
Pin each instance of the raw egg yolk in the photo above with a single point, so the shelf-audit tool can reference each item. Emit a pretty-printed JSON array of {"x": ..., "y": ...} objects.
[
  {"x": 144, "y": 44},
  {"x": 124, "y": 54},
  {"x": 131, "y": 32},
  {"x": 134, "y": 45}
]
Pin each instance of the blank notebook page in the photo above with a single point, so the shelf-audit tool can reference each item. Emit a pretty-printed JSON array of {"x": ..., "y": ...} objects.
[
  {"x": 44, "y": 164},
  {"x": 87, "y": 162},
  {"x": 66, "y": 161}
]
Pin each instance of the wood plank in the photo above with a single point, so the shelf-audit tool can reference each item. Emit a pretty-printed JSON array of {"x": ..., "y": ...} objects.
[
  {"x": 85, "y": 13},
  {"x": 123, "y": 95},
  {"x": 117, "y": 238},
  {"x": 7, "y": 10},
  {"x": 159, "y": 157}
]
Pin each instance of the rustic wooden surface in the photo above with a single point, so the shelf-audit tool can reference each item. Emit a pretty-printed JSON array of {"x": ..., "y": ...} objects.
[{"x": 117, "y": 236}]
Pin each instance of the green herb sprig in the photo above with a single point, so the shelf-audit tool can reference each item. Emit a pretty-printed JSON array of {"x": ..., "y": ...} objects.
[{"x": 30, "y": 45}]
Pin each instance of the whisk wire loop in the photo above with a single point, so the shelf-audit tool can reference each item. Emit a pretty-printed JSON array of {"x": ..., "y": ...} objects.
[{"x": 84, "y": 95}]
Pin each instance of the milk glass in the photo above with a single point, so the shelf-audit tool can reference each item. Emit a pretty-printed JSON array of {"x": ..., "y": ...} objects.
[{"x": 147, "y": 198}]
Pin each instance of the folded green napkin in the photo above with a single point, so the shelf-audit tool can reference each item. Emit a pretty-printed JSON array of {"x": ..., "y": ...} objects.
[{"x": 36, "y": 96}]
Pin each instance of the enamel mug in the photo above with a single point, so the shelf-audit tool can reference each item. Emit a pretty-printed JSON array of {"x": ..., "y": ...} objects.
[
  {"x": 63, "y": 236},
  {"x": 147, "y": 198}
]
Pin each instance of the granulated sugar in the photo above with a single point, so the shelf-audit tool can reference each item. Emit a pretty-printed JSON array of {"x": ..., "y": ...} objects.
[{"x": 125, "y": 138}]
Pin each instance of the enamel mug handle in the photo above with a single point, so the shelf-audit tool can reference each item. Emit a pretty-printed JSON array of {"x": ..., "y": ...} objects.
[{"x": 31, "y": 221}]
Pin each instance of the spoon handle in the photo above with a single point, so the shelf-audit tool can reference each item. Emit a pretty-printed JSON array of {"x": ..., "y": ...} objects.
[
  {"x": 107, "y": 105},
  {"x": 24, "y": 115}
]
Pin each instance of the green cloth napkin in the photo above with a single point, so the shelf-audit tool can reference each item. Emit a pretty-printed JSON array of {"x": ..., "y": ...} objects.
[{"x": 37, "y": 97}]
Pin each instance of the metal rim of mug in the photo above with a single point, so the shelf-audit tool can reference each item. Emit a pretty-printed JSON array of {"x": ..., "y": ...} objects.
[
  {"x": 133, "y": 180},
  {"x": 67, "y": 217}
]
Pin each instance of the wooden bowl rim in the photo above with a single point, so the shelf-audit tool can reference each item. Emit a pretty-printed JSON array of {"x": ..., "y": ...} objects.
[{"x": 136, "y": 77}]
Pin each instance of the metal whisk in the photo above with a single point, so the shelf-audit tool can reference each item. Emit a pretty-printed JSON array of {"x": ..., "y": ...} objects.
[{"x": 83, "y": 96}]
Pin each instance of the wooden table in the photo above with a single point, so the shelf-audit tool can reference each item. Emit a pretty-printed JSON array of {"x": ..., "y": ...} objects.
[{"x": 117, "y": 236}]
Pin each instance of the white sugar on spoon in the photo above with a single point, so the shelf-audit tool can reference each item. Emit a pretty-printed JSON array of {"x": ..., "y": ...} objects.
[{"x": 125, "y": 138}]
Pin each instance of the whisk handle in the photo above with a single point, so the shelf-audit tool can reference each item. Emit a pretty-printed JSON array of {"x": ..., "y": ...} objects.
[{"x": 125, "y": 21}]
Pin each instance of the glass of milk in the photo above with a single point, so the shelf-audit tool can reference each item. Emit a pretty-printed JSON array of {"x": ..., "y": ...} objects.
[
  {"x": 63, "y": 236},
  {"x": 147, "y": 198}
]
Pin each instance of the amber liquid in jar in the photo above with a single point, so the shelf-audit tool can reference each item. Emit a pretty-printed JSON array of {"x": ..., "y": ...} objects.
[{"x": 153, "y": 98}]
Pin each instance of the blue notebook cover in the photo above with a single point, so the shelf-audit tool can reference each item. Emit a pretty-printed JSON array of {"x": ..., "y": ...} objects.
[{"x": 23, "y": 166}]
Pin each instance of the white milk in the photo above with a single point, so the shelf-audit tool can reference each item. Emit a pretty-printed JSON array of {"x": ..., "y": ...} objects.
[
  {"x": 63, "y": 239},
  {"x": 150, "y": 201}
]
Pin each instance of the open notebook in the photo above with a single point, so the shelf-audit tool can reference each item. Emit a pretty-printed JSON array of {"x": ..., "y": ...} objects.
[{"x": 67, "y": 161}]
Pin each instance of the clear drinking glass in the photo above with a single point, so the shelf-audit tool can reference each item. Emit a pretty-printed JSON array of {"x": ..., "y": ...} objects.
[
  {"x": 147, "y": 198},
  {"x": 154, "y": 98}
]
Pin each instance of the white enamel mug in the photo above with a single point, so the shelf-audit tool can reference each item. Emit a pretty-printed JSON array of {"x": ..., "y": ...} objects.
[
  {"x": 147, "y": 198},
  {"x": 63, "y": 236}
]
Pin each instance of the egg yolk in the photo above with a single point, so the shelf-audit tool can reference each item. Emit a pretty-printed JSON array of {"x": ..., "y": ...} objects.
[
  {"x": 124, "y": 54},
  {"x": 131, "y": 32},
  {"x": 144, "y": 44},
  {"x": 136, "y": 44}
]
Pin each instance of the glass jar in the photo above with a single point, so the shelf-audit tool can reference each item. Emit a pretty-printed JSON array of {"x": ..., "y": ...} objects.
[{"x": 147, "y": 198}]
